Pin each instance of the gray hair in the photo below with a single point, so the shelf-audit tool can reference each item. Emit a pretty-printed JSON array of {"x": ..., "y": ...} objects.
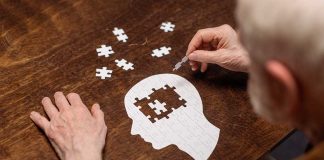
[{"x": 291, "y": 31}]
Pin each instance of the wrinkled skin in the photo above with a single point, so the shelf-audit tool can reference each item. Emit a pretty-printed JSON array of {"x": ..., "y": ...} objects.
[
  {"x": 74, "y": 132},
  {"x": 219, "y": 45}
]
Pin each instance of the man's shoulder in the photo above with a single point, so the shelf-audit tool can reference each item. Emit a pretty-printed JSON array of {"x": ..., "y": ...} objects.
[{"x": 317, "y": 153}]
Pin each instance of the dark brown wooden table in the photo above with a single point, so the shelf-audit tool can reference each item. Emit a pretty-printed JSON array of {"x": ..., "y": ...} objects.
[{"x": 48, "y": 46}]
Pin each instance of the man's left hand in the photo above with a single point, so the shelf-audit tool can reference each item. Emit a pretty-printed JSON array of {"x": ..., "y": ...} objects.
[{"x": 74, "y": 132}]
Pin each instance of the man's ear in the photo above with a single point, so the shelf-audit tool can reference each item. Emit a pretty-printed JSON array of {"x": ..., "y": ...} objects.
[{"x": 284, "y": 89}]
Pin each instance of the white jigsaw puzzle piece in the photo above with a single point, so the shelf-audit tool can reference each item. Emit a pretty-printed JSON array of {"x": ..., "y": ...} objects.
[
  {"x": 124, "y": 64},
  {"x": 161, "y": 52},
  {"x": 167, "y": 26},
  {"x": 103, "y": 73},
  {"x": 120, "y": 34},
  {"x": 105, "y": 51}
]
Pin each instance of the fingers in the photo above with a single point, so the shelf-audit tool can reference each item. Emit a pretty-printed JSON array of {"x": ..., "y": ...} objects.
[
  {"x": 204, "y": 67},
  {"x": 97, "y": 112},
  {"x": 60, "y": 101},
  {"x": 202, "y": 36},
  {"x": 75, "y": 100},
  {"x": 206, "y": 56},
  {"x": 39, "y": 120},
  {"x": 49, "y": 107},
  {"x": 194, "y": 65},
  {"x": 57, "y": 149},
  {"x": 201, "y": 40},
  {"x": 208, "y": 47},
  {"x": 197, "y": 41}
]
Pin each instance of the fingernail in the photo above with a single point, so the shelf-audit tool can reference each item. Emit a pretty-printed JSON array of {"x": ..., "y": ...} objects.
[
  {"x": 44, "y": 99},
  {"x": 32, "y": 114},
  {"x": 58, "y": 92},
  {"x": 192, "y": 56}
]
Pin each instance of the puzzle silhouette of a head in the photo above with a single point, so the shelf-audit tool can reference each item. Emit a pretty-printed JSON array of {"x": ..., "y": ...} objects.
[{"x": 167, "y": 109}]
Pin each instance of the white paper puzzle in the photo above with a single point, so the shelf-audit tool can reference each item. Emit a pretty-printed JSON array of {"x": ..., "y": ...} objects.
[
  {"x": 105, "y": 51},
  {"x": 120, "y": 34},
  {"x": 167, "y": 26},
  {"x": 124, "y": 64},
  {"x": 161, "y": 52},
  {"x": 167, "y": 109},
  {"x": 103, "y": 73}
]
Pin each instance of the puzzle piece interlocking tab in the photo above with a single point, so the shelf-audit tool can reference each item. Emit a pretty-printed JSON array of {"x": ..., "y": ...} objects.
[{"x": 160, "y": 103}]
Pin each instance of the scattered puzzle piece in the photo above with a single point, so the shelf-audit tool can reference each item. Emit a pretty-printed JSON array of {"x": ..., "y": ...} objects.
[
  {"x": 103, "y": 73},
  {"x": 105, "y": 51},
  {"x": 120, "y": 33},
  {"x": 124, "y": 64},
  {"x": 167, "y": 26},
  {"x": 161, "y": 52}
]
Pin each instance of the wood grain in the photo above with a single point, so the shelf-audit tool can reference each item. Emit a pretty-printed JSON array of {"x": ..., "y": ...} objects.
[{"x": 48, "y": 46}]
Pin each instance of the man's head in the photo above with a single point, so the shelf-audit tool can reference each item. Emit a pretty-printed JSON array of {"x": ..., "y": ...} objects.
[{"x": 285, "y": 40}]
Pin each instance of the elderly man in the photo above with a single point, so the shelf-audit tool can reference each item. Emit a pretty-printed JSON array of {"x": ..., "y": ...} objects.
[{"x": 282, "y": 49}]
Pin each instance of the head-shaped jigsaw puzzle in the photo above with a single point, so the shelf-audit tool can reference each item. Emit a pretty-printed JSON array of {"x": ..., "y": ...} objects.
[{"x": 167, "y": 109}]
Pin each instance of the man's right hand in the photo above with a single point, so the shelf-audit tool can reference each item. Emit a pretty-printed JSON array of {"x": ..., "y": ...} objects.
[{"x": 219, "y": 45}]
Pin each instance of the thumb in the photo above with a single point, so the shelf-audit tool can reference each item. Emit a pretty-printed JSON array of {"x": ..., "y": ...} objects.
[{"x": 206, "y": 56}]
